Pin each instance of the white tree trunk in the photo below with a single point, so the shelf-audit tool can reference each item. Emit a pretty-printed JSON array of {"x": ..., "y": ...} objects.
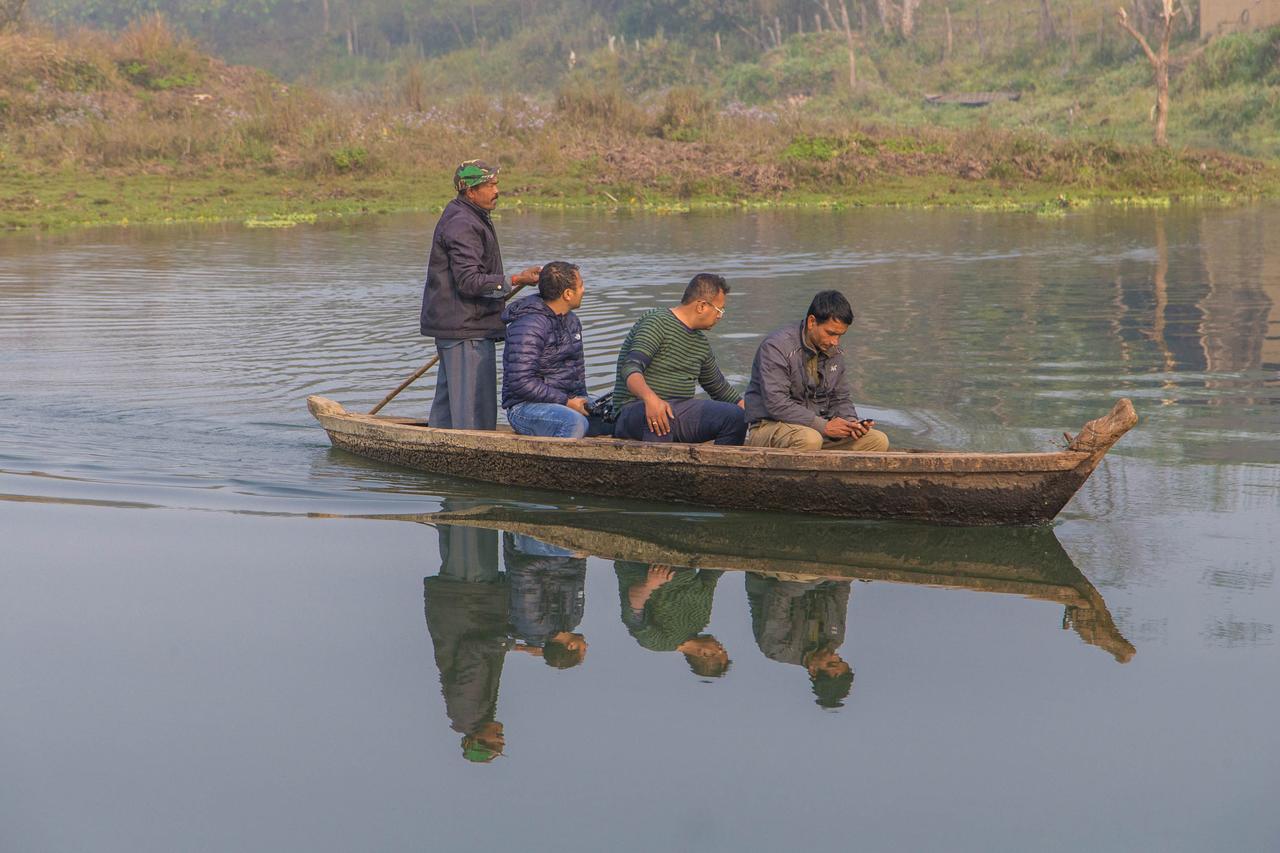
[{"x": 909, "y": 17}]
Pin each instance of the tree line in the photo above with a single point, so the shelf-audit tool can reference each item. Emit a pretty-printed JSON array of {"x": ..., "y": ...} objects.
[{"x": 383, "y": 29}]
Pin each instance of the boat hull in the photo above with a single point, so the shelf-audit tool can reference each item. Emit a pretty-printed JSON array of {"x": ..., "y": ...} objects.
[{"x": 937, "y": 487}]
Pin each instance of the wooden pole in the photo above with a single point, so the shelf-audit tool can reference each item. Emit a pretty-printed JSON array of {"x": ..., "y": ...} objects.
[{"x": 430, "y": 364}]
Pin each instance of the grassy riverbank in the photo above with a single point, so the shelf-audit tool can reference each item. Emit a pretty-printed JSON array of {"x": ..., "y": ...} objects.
[{"x": 144, "y": 127}]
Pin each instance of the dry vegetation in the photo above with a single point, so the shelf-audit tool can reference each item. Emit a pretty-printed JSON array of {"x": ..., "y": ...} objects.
[{"x": 150, "y": 103}]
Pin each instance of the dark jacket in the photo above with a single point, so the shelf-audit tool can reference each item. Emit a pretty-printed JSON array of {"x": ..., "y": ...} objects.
[
  {"x": 542, "y": 361},
  {"x": 782, "y": 390},
  {"x": 547, "y": 590},
  {"x": 468, "y": 627},
  {"x": 462, "y": 298}
]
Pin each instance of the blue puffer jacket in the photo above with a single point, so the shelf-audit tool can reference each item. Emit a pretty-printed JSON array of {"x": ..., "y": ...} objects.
[{"x": 543, "y": 361}]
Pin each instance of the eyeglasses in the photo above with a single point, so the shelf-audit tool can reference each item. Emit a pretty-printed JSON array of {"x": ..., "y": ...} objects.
[{"x": 719, "y": 310}]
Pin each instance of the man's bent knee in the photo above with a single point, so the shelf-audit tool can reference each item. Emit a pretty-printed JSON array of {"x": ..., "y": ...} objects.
[
  {"x": 873, "y": 442},
  {"x": 785, "y": 436}
]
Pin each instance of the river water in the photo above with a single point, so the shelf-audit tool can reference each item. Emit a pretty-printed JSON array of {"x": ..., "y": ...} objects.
[{"x": 217, "y": 633}]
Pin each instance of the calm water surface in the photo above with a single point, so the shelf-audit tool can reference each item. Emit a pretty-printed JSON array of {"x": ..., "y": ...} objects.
[{"x": 217, "y": 633}]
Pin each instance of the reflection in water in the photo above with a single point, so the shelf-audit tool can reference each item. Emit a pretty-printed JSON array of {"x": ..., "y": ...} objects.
[
  {"x": 477, "y": 613},
  {"x": 1020, "y": 561},
  {"x": 548, "y": 591},
  {"x": 666, "y": 609},
  {"x": 799, "y": 620},
  {"x": 466, "y": 608},
  {"x": 798, "y": 576}
]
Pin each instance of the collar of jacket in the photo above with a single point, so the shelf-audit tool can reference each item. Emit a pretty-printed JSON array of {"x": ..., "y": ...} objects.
[
  {"x": 477, "y": 209},
  {"x": 804, "y": 344}
]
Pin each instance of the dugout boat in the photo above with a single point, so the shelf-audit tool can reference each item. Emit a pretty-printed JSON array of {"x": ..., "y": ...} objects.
[
  {"x": 1027, "y": 562},
  {"x": 946, "y": 487}
]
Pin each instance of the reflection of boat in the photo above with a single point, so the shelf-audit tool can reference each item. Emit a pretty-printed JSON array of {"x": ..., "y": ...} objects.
[
  {"x": 949, "y": 487},
  {"x": 1029, "y": 561}
]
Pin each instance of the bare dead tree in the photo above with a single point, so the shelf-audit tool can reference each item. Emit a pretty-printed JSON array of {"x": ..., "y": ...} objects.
[
  {"x": 848, "y": 40},
  {"x": 1048, "y": 32},
  {"x": 908, "y": 26},
  {"x": 888, "y": 14},
  {"x": 946, "y": 53},
  {"x": 831, "y": 18},
  {"x": 848, "y": 37},
  {"x": 977, "y": 28},
  {"x": 1159, "y": 64}
]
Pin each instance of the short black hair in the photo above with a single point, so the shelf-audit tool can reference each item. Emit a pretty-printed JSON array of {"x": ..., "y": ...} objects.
[
  {"x": 829, "y": 305},
  {"x": 830, "y": 691},
  {"x": 555, "y": 278},
  {"x": 704, "y": 285},
  {"x": 560, "y": 656}
]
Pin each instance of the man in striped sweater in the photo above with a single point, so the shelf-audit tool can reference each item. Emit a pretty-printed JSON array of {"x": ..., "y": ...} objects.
[{"x": 664, "y": 358}]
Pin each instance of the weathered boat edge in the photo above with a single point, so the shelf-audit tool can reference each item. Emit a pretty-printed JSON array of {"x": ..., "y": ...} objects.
[{"x": 941, "y": 487}]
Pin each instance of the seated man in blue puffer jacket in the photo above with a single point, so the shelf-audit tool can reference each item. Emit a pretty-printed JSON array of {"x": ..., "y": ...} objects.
[{"x": 544, "y": 376}]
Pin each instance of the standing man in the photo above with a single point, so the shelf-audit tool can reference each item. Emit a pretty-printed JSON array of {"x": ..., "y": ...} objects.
[
  {"x": 466, "y": 609},
  {"x": 544, "y": 374},
  {"x": 463, "y": 299},
  {"x": 798, "y": 397},
  {"x": 663, "y": 359}
]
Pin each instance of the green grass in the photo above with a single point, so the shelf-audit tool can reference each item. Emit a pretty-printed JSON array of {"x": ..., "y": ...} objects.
[{"x": 64, "y": 200}]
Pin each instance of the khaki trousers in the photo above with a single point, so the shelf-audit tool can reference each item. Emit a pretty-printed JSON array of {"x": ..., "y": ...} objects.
[{"x": 797, "y": 437}]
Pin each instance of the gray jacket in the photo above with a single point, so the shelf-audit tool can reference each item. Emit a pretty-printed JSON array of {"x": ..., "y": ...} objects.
[
  {"x": 462, "y": 298},
  {"x": 782, "y": 390},
  {"x": 792, "y": 618}
]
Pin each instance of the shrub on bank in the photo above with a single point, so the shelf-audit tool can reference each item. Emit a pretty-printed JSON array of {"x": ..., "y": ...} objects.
[{"x": 595, "y": 141}]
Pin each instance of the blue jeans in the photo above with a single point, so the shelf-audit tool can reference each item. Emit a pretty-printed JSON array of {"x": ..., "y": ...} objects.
[
  {"x": 549, "y": 419},
  {"x": 695, "y": 421}
]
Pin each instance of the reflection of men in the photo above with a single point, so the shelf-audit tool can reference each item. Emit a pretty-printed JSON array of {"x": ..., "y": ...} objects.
[
  {"x": 466, "y": 609},
  {"x": 548, "y": 588},
  {"x": 462, "y": 301},
  {"x": 798, "y": 397},
  {"x": 666, "y": 609},
  {"x": 544, "y": 374},
  {"x": 663, "y": 359},
  {"x": 802, "y": 622}
]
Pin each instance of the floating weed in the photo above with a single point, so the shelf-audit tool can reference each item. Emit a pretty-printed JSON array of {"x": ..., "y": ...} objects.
[
  {"x": 286, "y": 220},
  {"x": 1159, "y": 201}
]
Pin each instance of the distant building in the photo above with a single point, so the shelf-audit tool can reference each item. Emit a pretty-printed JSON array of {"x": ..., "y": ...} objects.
[{"x": 1218, "y": 17}]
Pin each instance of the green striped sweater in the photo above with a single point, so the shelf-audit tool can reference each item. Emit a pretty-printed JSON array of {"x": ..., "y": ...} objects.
[{"x": 673, "y": 358}]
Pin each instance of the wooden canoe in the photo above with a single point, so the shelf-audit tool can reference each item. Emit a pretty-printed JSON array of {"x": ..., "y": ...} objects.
[
  {"x": 1025, "y": 562},
  {"x": 933, "y": 486}
]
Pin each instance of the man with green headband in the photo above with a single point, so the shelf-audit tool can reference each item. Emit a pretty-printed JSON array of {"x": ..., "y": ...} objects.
[{"x": 462, "y": 301}]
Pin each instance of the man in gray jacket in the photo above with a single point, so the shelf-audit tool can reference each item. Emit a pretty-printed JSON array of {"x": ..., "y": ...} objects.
[
  {"x": 462, "y": 301},
  {"x": 799, "y": 397}
]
